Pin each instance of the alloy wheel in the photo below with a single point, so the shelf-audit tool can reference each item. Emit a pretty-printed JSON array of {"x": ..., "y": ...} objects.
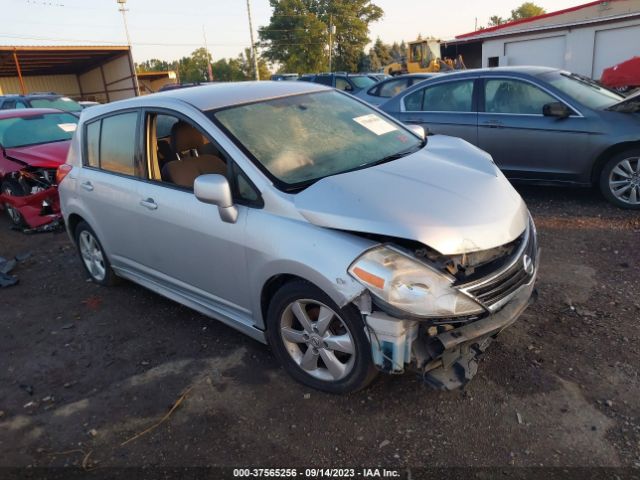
[
  {"x": 14, "y": 215},
  {"x": 624, "y": 181},
  {"x": 92, "y": 256},
  {"x": 317, "y": 340}
]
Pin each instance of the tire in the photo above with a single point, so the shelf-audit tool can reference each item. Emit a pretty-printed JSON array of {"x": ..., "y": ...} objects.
[
  {"x": 327, "y": 343},
  {"x": 94, "y": 259},
  {"x": 620, "y": 179},
  {"x": 11, "y": 187}
]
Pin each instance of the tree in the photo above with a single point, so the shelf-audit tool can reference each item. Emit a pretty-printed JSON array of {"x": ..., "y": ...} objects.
[
  {"x": 154, "y": 65},
  {"x": 382, "y": 51},
  {"x": 526, "y": 10},
  {"x": 298, "y": 33},
  {"x": 227, "y": 70},
  {"x": 245, "y": 60},
  {"x": 398, "y": 51},
  {"x": 295, "y": 37},
  {"x": 496, "y": 20},
  {"x": 194, "y": 67}
]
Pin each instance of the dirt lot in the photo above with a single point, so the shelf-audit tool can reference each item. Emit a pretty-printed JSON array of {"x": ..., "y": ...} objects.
[{"x": 84, "y": 368}]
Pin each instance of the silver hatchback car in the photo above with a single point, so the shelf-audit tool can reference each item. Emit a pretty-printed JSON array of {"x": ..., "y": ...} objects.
[{"x": 308, "y": 220}]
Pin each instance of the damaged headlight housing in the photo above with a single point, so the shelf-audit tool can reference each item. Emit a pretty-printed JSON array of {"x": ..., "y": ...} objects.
[{"x": 410, "y": 286}]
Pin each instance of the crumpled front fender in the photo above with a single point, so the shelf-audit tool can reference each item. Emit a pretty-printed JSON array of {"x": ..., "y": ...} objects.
[{"x": 31, "y": 207}]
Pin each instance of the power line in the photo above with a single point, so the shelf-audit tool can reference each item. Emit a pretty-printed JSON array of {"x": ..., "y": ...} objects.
[{"x": 152, "y": 44}]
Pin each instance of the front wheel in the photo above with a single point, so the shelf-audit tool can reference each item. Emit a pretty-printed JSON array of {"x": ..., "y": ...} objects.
[
  {"x": 318, "y": 343},
  {"x": 620, "y": 179},
  {"x": 13, "y": 188}
]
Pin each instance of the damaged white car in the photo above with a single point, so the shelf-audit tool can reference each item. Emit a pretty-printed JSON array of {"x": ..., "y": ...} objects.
[{"x": 307, "y": 220}]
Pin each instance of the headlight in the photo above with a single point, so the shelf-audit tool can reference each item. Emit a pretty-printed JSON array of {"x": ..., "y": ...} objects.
[{"x": 410, "y": 286}]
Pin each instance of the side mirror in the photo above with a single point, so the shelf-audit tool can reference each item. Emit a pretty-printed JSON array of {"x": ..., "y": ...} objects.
[
  {"x": 418, "y": 130},
  {"x": 556, "y": 109},
  {"x": 215, "y": 189}
]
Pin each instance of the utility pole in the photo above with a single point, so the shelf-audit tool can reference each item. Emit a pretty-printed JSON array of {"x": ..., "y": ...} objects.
[
  {"x": 253, "y": 48},
  {"x": 331, "y": 32},
  {"x": 123, "y": 10},
  {"x": 206, "y": 48}
]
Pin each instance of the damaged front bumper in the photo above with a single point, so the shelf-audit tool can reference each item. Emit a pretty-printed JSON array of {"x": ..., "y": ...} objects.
[
  {"x": 37, "y": 210},
  {"x": 446, "y": 359}
]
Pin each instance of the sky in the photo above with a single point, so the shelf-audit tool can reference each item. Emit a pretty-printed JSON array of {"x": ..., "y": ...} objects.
[{"x": 171, "y": 29}]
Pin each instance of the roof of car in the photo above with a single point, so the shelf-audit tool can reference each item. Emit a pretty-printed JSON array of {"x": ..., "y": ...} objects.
[
  {"x": 219, "y": 95},
  {"x": 525, "y": 70},
  {"x": 32, "y": 95},
  {"x": 27, "y": 112}
]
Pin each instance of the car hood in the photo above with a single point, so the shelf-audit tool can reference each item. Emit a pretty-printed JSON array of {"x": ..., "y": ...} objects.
[
  {"x": 45, "y": 155},
  {"x": 449, "y": 196},
  {"x": 631, "y": 104}
]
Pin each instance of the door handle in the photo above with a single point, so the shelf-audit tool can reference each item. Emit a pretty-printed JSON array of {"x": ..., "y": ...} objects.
[
  {"x": 149, "y": 203},
  {"x": 493, "y": 123},
  {"x": 88, "y": 186}
]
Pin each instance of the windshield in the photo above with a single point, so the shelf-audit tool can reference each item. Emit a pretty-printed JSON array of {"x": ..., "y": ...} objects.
[
  {"x": 61, "y": 103},
  {"x": 363, "y": 82},
  {"x": 37, "y": 129},
  {"x": 302, "y": 138},
  {"x": 582, "y": 89}
]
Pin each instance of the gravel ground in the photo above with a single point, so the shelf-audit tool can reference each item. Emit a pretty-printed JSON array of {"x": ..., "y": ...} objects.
[{"x": 84, "y": 368}]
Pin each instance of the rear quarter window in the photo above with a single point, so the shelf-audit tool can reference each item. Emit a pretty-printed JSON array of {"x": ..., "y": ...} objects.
[{"x": 93, "y": 144}]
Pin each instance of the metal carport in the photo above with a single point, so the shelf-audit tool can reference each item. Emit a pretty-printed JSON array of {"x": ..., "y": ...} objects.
[{"x": 101, "y": 73}]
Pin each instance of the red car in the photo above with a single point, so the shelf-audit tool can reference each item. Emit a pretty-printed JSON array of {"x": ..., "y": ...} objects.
[
  {"x": 623, "y": 76},
  {"x": 33, "y": 143}
]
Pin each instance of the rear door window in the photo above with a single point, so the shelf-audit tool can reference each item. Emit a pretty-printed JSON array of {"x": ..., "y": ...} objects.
[
  {"x": 449, "y": 97},
  {"x": 393, "y": 87},
  {"x": 111, "y": 144},
  {"x": 343, "y": 84},
  {"x": 323, "y": 79},
  {"x": 118, "y": 143}
]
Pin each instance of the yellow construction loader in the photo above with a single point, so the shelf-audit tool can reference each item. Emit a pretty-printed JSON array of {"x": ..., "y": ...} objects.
[{"x": 424, "y": 56}]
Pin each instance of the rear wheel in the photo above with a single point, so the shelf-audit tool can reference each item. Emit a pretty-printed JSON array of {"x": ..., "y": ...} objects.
[
  {"x": 620, "y": 179},
  {"x": 94, "y": 259},
  {"x": 13, "y": 188},
  {"x": 318, "y": 343}
]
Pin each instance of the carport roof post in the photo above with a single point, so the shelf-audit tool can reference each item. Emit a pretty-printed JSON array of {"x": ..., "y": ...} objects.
[{"x": 19, "y": 71}]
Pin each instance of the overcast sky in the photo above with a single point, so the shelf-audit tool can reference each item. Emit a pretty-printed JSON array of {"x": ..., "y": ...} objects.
[{"x": 170, "y": 29}]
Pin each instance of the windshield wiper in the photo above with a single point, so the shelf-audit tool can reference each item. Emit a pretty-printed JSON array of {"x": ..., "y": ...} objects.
[
  {"x": 396, "y": 156},
  {"x": 298, "y": 187}
]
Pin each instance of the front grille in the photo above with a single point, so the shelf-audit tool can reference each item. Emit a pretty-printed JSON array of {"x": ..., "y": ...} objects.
[{"x": 495, "y": 289}]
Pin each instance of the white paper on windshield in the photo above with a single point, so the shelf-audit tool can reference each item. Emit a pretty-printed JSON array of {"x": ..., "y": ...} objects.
[
  {"x": 375, "y": 124},
  {"x": 67, "y": 127}
]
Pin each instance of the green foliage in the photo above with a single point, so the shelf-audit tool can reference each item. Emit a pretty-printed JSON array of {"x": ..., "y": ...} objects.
[
  {"x": 526, "y": 10},
  {"x": 154, "y": 65},
  {"x": 194, "y": 67},
  {"x": 247, "y": 67},
  {"x": 228, "y": 70},
  {"x": 297, "y": 36},
  {"x": 382, "y": 51},
  {"x": 496, "y": 20},
  {"x": 398, "y": 51}
]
